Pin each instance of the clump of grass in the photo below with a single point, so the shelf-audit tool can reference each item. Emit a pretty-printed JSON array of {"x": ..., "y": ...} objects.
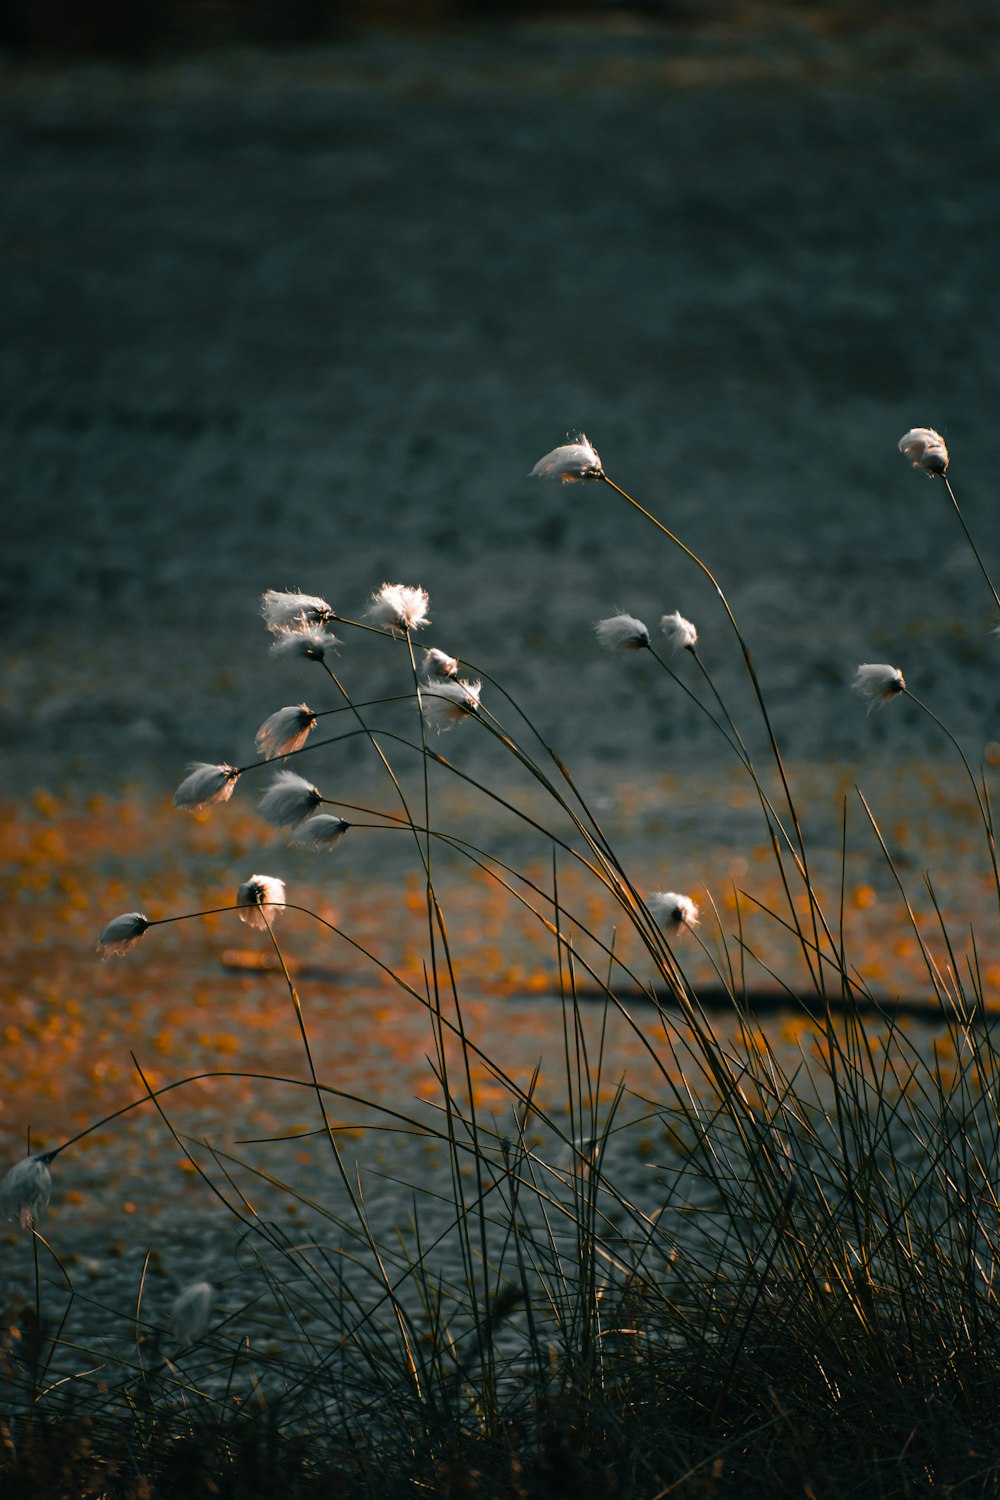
[{"x": 799, "y": 1296}]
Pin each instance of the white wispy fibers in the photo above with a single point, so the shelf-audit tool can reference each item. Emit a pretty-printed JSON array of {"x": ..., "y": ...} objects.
[
  {"x": 26, "y": 1189},
  {"x": 260, "y": 893},
  {"x": 621, "y": 633},
  {"x": 671, "y": 911},
  {"x": 878, "y": 683},
  {"x": 192, "y": 1312},
  {"x": 122, "y": 932},
  {"x": 320, "y": 832},
  {"x": 438, "y": 666},
  {"x": 306, "y": 640},
  {"x": 206, "y": 786},
  {"x": 290, "y": 611},
  {"x": 286, "y": 730},
  {"x": 680, "y": 634},
  {"x": 289, "y": 799},
  {"x": 925, "y": 449},
  {"x": 572, "y": 461},
  {"x": 446, "y": 704},
  {"x": 399, "y": 606}
]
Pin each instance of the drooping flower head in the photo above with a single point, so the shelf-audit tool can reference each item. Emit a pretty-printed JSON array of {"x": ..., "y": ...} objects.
[
  {"x": 192, "y": 1311},
  {"x": 621, "y": 633},
  {"x": 570, "y": 462},
  {"x": 671, "y": 911},
  {"x": 260, "y": 893},
  {"x": 446, "y": 704},
  {"x": 121, "y": 933},
  {"x": 320, "y": 832},
  {"x": 680, "y": 633},
  {"x": 286, "y": 730},
  {"x": 878, "y": 683},
  {"x": 305, "y": 640},
  {"x": 926, "y": 450},
  {"x": 438, "y": 667},
  {"x": 292, "y": 611},
  {"x": 401, "y": 607},
  {"x": 26, "y": 1189},
  {"x": 289, "y": 799},
  {"x": 206, "y": 786}
]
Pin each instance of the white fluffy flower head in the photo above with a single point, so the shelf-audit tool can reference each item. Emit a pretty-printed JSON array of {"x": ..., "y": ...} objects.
[
  {"x": 291, "y": 611},
  {"x": 286, "y": 730},
  {"x": 926, "y": 450},
  {"x": 446, "y": 704},
  {"x": 438, "y": 666},
  {"x": 320, "y": 832},
  {"x": 259, "y": 894},
  {"x": 289, "y": 799},
  {"x": 672, "y": 911},
  {"x": 192, "y": 1311},
  {"x": 308, "y": 641},
  {"x": 206, "y": 786},
  {"x": 121, "y": 933},
  {"x": 621, "y": 633},
  {"x": 680, "y": 634},
  {"x": 570, "y": 462},
  {"x": 26, "y": 1189},
  {"x": 878, "y": 683},
  {"x": 401, "y": 607}
]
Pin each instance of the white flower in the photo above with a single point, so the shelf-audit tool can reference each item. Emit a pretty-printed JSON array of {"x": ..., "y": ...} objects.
[
  {"x": 292, "y": 611},
  {"x": 447, "y": 703},
  {"x": 285, "y": 731},
  {"x": 26, "y": 1189},
  {"x": 321, "y": 831},
  {"x": 438, "y": 666},
  {"x": 671, "y": 911},
  {"x": 258, "y": 893},
  {"x": 621, "y": 633},
  {"x": 680, "y": 633},
  {"x": 572, "y": 461},
  {"x": 192, "y": 1311},
  {"x": 401, "y": 607},
  {"x": 878, "y": 683},
  {"x": 121, "y": 932},
  {"x": 306, "y": 640},
  {"x": 289, "y": 799},
  {"x": 206, "y": 786},
  {"x": 926, "y": 448}
]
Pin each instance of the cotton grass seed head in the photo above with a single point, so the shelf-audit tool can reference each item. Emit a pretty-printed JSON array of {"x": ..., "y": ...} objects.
[
  {"x": 438, "y": 667},
  {"x": 320, "y": 832},
  {"x": 446, "y": 704},
  {"x": 308, "y": 641},
  {"x": 26, "y": 1189},
  {"x": 292, "y": 611},
  {"x": 570, "y": 462},
  {"x": 400, "y": 607},
  {"x": 878, "y": 683},
  {"x": 926, "y": 450},
  {"x": 121, "y": 933},
  {"x": 621, "y": 633},
  {"x": 289, "y": 799},
  {"x": 192, "y": 1312},
  {"x": 259, "y": 894},
  {"x": 285, "y": 731},
  {"x": 671, "y": 911},
  {"x": 206, "y": 786},
  {"x": 680, "y": 634}
]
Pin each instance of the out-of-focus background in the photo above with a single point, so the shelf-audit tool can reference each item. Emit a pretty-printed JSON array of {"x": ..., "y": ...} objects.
[{"x": 295, "y": 295}]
